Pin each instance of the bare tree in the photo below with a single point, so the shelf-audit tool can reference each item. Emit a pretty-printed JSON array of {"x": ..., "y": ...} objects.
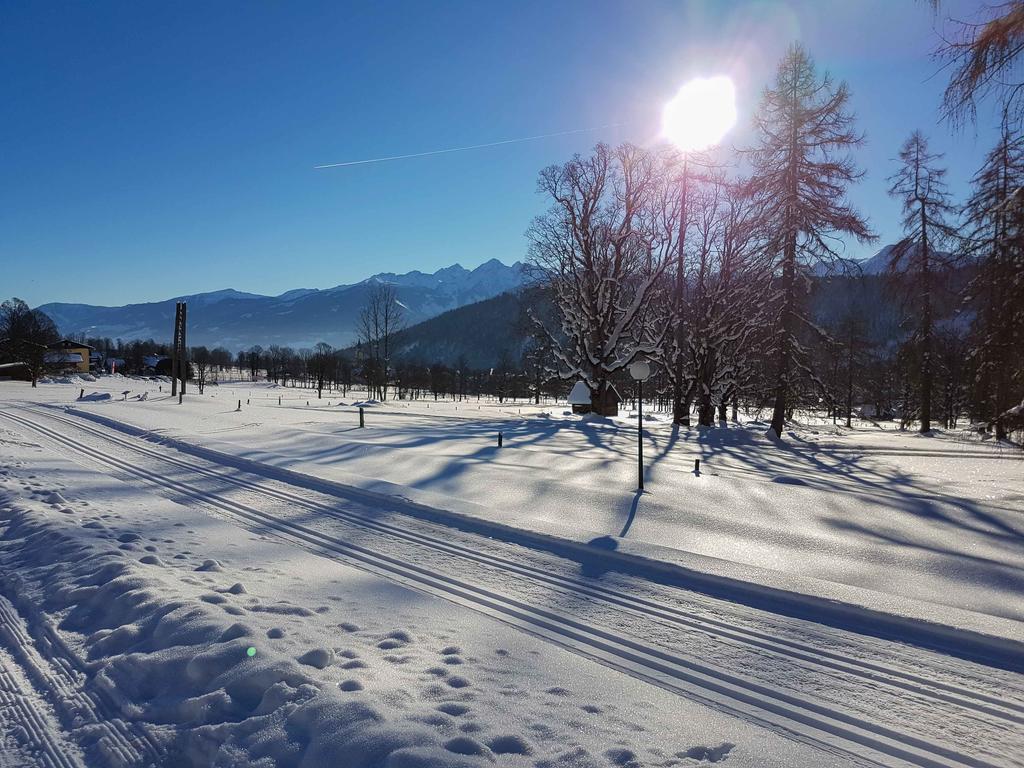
[
  {"x": 801, "y": 172},
  {"x": 920, "y": 186},
  {"x": 602, "y": 253},
  {"x": 381, "y": 318},
  {"x": 202, "y": 363},
  {"x": 322, "y": 365},
  {"x": 25, "y": 334}
]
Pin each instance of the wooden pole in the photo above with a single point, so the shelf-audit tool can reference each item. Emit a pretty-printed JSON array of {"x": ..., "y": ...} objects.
[
  {"x": 183, "y": 356},
  {"x": 174, "y": 349}
]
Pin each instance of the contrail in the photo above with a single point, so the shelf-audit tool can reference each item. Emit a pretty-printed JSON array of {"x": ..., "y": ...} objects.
[{"x": 464, "y": 149}]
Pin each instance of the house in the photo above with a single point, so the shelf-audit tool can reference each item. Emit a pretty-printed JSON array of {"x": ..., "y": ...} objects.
[
  {"x": 68, "y": 356},
  {"x": 15, "y": 372},
  {"x": 581, "y": 401},
  {"x": 150, "y": 362}
]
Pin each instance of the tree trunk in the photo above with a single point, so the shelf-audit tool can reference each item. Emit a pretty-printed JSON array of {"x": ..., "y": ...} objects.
[
  {"x": 680, "y": 404},
  {"x": 926, "y": 331},
  {"x": 788, "y": 329}
]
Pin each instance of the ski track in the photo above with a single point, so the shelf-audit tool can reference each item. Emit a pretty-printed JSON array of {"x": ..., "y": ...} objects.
[
  {"x": 27, "y": 725},
  {"x": 52, "y": 668},
  {"x": 868, "y": 700}
]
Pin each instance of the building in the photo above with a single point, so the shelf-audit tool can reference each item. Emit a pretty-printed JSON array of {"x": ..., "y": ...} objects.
[
  {"x": 15, "y": 372},
  {"x": 67, "y": 356},
  {"x": 607, "y": 403}
]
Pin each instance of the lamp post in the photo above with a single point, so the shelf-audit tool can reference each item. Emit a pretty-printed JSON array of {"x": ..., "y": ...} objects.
[{"x": 640, "y": 370}]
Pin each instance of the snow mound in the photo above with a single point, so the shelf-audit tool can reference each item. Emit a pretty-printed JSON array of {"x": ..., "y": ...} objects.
[
  {"x": 181, "y": 662},
  {"x": 95, "y": 397}
]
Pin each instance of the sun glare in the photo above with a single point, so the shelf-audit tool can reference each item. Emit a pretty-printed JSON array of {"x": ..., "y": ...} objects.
[{"x": 700, "y": 114}]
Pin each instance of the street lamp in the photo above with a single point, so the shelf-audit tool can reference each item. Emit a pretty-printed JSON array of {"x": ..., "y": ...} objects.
[
  {"x": 640, "y": 370},
  {"x": 696, "y": 118}
]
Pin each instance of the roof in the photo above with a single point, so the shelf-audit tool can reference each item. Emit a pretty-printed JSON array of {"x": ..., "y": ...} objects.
[
  {"x": 66, "y": 357},
  {"x": 65, "y": 343}
]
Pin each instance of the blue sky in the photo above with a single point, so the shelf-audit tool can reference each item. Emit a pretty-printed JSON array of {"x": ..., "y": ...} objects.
[{"x": 155, "y": 149}]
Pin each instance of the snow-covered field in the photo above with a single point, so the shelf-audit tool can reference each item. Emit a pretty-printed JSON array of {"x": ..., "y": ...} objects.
[{"x": 200, "y": 585}]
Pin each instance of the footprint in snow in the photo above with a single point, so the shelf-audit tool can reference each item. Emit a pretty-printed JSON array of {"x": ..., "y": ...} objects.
[
  {"x": 236, "y": 631},
  {"x": 621, "y": 756},
  {"x": 511, "y": 744},
  {"x": 210, "y": 565},
  {"x": 275, "y": 633},
  {"x": 348, "y": 626},
  {"x": 318, "y": 658},
  {"x": 453, "y": 708},
  {"x": 708, "y": 754},
  {"x": 463, "y": 745},
  {"x": 558, "y": 691},
  {"x": 350, "y": 685}
]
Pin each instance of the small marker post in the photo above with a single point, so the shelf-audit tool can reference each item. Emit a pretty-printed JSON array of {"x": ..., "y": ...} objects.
[
  {"x": 81, "y": 394},
  {"x": 362, "y": 423},
  {"x": 239, "y": 406},
  {"x": 696, "y": 467},
  {"x": 499, "y": 439}
]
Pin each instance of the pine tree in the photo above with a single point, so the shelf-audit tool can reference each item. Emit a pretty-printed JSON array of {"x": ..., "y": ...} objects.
[
  {"x": 995, "y": 218},
  {"x": 801, "y": 170},
  {"x": 920, "y": 185}
]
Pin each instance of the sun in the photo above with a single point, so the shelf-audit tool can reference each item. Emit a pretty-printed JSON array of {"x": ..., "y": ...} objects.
[{"x": 700, "y": 115}]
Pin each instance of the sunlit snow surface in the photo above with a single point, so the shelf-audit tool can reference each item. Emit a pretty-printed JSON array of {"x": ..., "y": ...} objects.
[{"x": 164, "y": 601}]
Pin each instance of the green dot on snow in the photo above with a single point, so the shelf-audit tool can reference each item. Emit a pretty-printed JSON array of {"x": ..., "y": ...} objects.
[{"x": 251, "y": 651}]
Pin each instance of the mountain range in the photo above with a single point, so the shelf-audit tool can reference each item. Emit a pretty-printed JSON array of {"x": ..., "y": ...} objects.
[
  {"x": 296, "y": 318},
  {"x": 300, "y": 317}
]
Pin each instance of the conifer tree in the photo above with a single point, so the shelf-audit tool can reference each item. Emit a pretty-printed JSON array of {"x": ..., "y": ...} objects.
[
  {"x": 927, "y": 209},
  {"x": 995, "y": 224},
  {"x": 801, "y": 171}
]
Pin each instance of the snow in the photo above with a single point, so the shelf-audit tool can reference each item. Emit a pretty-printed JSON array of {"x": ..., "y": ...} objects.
[
  {"x": 844, "y": 508},
  {"x": 162, "y": 604},
  {"x": 417, "y": 596}
]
